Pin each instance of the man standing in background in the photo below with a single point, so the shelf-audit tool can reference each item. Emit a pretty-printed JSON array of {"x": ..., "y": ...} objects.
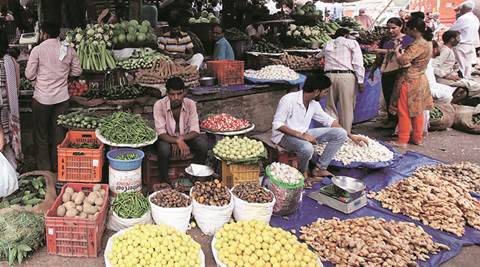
[
  {"x": 344, "y": 67},
  {"x": 49, "y": 65},
  {"x": 363, "y": 18},
  {"x": 467, "y": 24}
]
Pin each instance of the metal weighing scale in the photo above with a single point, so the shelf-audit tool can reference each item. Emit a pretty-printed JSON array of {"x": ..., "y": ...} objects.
[{"x": 345, "y": 194}]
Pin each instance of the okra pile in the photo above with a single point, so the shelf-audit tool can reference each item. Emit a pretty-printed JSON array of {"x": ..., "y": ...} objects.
[{"x": 126, "y": 128}]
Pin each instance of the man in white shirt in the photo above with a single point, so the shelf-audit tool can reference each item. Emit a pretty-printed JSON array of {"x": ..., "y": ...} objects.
[
  {"x": 467, "y": 24},
  {"x": 444, "y": 62},
  {"x": 344, "y": 67},
  {"x": 291, "y": 123}
]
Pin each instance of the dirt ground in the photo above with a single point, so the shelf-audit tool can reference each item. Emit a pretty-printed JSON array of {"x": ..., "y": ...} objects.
[{"x": 450, "y": 146}]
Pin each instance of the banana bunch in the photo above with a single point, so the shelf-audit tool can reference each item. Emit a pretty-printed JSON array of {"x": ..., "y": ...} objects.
[{"x": 308, "y": 35}]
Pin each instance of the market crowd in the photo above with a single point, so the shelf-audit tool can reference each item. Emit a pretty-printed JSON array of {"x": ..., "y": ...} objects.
[{"x": 416, "y": 71}]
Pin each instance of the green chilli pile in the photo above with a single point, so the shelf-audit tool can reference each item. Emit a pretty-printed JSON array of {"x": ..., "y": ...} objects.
[
  {"x": 126, "y": 128},
  {"x": 127, "y": 156},
  {"x": 129, "y": 205}
]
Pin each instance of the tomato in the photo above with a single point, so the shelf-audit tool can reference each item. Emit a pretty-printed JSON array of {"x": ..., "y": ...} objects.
[{"x": 224, "y": 122}]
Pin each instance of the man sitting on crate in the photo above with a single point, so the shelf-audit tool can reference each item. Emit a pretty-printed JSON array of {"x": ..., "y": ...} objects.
[
  {"x": 176, "y": 122},
  {"x": 291, "y": 122}
]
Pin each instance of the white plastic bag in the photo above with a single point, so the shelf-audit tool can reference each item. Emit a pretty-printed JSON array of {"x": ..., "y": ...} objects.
[
  {"x": 109, "y": 247},
  {"x": 123, "y": 54},
  {"x": 211, "y": 218},
  {"x": 8, "y": 177},
  {"x": 244, "y": 211},
  {"x": 116, "y": 223},
  {"x": 179, "y": 218}
]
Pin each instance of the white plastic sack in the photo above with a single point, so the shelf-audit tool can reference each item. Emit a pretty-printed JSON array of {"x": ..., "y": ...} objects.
[
  {"x": 116, "y": 223},
  {"x": 244, "y": 211},
  {"x": 8, "y": 177},
  {"x": 211, "y": 218},
  {"x": 123, "y": 54},
  {"x": 109, "y": 247},
  {"x": 179, "y": 218}
]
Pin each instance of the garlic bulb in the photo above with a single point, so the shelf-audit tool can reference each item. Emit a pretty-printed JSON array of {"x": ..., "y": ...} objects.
[
  {"x": 351, "y": 152},
  {"x": 273, "y": 72},
  {"x": 285, "y": 173}
]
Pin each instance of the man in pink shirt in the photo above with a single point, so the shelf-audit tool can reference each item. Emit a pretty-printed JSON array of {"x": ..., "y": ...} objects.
[
  {"x": 176, "y": 122},
  {"x": 49, "y": 65}
]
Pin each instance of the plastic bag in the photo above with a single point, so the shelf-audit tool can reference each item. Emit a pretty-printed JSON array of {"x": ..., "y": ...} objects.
[
  {"x": 109, "y": 247},
  {"x": 287, "y": 197},
  {"x": 8, "y": 181},
  {"x": 464, "y": 119},
  {"x": 245, "y": 211},
  {"x": 211, "y": 218},
  {"x": 116, "y": 223},
  {"x": 179, "y": 218},
  {"x": 446, "y": 120}
]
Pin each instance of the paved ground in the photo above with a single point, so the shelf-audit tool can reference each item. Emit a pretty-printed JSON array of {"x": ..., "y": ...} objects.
[{"x": 450, "y": 146}]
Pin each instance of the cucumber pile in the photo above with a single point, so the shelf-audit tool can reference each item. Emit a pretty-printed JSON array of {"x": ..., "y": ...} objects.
[{"x": 79, "y": 119}]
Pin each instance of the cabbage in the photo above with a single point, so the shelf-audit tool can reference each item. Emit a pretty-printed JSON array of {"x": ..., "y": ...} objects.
[
  {"x": 132, "y": 30},
  {"x": 192, "y": 20},
  {"x": 115, "y": 40},
  {"x": 125, "y": 25},
  {"x": 131, "y": 38},
  {"x": 143, "y": 29},
  {"x": 146, "y": 23},
  {"x": 141, "y": 37},
  {"x": 133, "y": 23},
  {"x": 121, "y": 38}
]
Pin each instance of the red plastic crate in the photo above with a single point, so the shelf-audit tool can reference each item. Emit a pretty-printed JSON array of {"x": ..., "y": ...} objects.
[
  {"x": 228, "y": 72},
  {"x": 80, "y": 164},
  {"x": 75, "y": 237}
]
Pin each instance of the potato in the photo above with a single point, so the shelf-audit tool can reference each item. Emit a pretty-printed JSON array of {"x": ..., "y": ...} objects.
[
  {"x": 102, "y": 192},
  {"x": 91, "y": 198},
  {"x": 89, "y": 209},
  {"x": 74, "y": 195},
  {"x": 99, "y": 202},
  {"x": 69, "y": 190},
  {"x": 69, "y": 205},
  {"x": 79, "y": 208},
  {"x": 83, "y": 215},
  {"x": 61, "y": 210},
  {"x": 66, "y": 197},
  {"x": 79, "y": 198},
  {"x": 71, "y": 213}
]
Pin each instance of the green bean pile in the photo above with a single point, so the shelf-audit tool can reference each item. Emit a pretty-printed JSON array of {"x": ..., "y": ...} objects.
[
  {"x": 126, "y": 128},
  {"x": 129, "y": 205},
  {"x": 127, "y": 156}
]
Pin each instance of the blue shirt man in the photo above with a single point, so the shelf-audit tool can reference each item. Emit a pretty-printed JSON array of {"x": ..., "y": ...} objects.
[{"x": 223, "y": 50}]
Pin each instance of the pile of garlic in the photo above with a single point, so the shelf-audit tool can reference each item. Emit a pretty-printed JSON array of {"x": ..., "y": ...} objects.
[
  {"x": 285, "y": 173},
  {"x": 273, "y": 72},
  {"x": 351, "y": 152}
]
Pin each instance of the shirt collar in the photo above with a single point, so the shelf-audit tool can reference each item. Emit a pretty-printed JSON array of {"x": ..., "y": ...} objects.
[
  {"x": 300, "y": 98},
  {"x": 169, "y": 108},
  {"x": 221, "y": 40}
]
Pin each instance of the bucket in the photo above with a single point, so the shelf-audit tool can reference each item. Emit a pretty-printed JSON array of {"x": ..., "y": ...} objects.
[{"x": 125, "y": 181}]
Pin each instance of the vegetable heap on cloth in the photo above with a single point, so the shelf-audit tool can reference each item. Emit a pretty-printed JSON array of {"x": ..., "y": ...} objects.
[{"x": 240, "y": 150}]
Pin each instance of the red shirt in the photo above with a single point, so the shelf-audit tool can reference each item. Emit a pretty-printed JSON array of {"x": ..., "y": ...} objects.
[{"x": 165, "y": 122}]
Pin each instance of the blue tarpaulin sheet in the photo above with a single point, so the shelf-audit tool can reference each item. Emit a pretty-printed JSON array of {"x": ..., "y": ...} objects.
[
  {"x": 367, "y": 103},
  {"x": 310, "y": 210},
  {"x": 299, "y": 82}
]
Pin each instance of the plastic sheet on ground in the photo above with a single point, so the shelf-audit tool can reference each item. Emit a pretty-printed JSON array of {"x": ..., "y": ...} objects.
[
  {"x": 310, "y": 210},
  {"x": 368, "y": 165},
  {"x": 299, "y": 82}
]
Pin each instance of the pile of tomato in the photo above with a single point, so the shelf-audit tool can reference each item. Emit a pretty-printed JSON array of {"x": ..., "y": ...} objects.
[{"x": 224, "y": 123}]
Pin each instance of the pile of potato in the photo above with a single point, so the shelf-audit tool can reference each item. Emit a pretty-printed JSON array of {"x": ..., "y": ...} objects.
[
  {"x": 81, "y": 205},
  {"x": 351, "y": 152},
  {"x": 368, "y": 241},
  {"x": 440, "y": 202}
]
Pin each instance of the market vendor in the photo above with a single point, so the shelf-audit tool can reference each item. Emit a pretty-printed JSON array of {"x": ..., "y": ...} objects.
[
  {"x": 223, "y": 50},
  {"x": 444, "y": 63},
  {"x": 291, "y": 122},
  {"x": 50, "y": 64},
  {"x": 178, "y": 44},
  {"x": 176, "y": 122}
]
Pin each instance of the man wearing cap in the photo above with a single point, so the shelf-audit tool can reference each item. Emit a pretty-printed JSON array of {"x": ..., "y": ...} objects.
[
  {"x": 363, "y": 18},
  {"x": 467, "y": 24},
  {"x": 344, "y": 67}
]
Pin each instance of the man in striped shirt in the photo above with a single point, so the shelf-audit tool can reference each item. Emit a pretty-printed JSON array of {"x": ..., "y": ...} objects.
[{"x": 178, "y": 44}]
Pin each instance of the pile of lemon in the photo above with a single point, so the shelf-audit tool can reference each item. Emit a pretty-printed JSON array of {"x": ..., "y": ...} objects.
[
  {"x": 254, "y": 243},
  {"x": 238, "y": 148},
  {"x": 154, "y": 245}
]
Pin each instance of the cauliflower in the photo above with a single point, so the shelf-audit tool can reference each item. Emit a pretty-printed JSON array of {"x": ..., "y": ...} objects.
[
  {"x": 289, "y": 33},
  {"x": 307, "y": 32},
  {"x": 293, "y": 27},
  {"x": 296, "y": 33},
  {"x": 90, "y": 32},
  {"x": 78, "y": 37}
]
